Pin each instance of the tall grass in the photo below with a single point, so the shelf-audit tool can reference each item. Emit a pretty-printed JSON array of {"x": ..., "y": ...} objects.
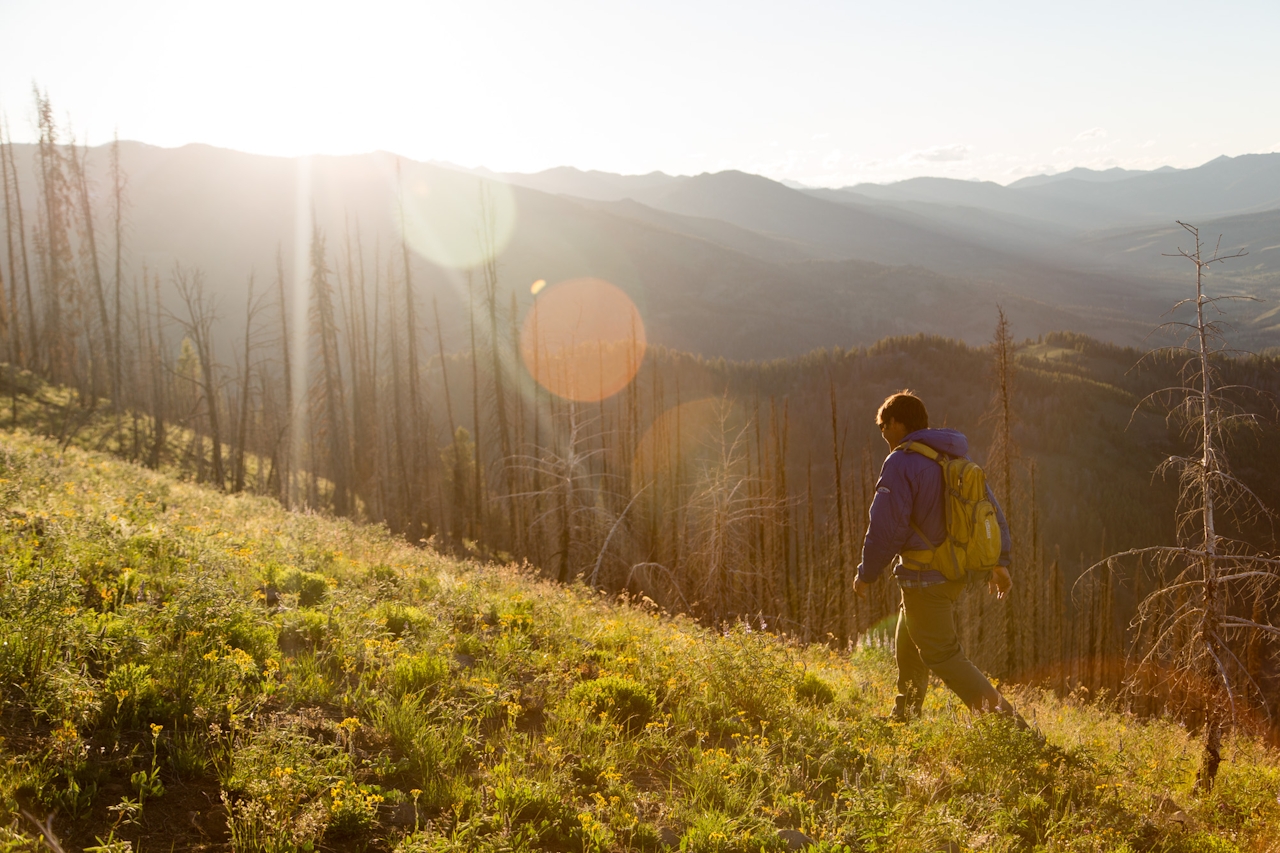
[{"x": 184, "y": 668}]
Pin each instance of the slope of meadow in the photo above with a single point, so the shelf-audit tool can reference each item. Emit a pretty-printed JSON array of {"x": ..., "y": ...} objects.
[{"x": 186, "y": 670}]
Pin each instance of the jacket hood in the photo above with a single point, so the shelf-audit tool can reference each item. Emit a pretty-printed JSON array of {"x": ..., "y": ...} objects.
[{"x": 949, "y": 441}]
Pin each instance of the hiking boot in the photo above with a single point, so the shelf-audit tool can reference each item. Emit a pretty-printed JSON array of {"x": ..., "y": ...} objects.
[
  {"x": 1008, "y": 712},
  {"x": 897, "y": 715}
]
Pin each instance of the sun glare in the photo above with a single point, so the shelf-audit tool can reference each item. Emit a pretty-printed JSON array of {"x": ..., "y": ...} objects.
[
  {"x": 706, "y": 435},
  {"x": 453, "y": 219},
  {"x": 583, "y": 340}
]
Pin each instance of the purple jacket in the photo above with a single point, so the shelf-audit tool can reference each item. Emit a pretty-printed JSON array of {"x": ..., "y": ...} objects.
[{"x": 910, "y": 489}]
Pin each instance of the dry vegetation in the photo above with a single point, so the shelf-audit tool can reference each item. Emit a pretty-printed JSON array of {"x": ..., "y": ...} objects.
[
  {"x": 183, "y": 667},
  {"x": 718, "y": 489}
]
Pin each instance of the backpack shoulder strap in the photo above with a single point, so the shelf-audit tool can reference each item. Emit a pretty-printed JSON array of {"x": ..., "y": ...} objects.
[
  {"x": 926, "y": 451},
  {"x": 925, "y": 537},
  {"x": 921, "y": 448}
]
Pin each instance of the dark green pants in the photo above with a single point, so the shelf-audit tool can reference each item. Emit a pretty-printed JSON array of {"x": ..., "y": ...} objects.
[{"x": 927, "y": 641}]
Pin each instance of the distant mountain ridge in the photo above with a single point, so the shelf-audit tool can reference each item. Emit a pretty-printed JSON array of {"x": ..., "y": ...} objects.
[
  {"x": 1081, "y": 173},
  {"x": 703, "y": 285},
  {"x": 1055, "y": 206},
  {"x": 721, "y": 264},
  {"x": 593, "y": 185},
  {"x": 1081, "y": 198},
  {"x": 1086, "y": 200}
]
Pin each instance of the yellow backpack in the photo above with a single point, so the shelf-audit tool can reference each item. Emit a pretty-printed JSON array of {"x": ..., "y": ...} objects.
[{"x": 972, "y": 541}]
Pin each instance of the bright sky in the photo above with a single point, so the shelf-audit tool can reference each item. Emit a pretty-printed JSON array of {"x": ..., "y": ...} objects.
[{"x": 825, "y": 93}]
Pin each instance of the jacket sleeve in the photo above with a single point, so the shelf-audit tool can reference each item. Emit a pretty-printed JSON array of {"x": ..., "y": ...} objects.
[
  {"x": 890, "y": 524},
  {"x": 1006, "y": 541}
]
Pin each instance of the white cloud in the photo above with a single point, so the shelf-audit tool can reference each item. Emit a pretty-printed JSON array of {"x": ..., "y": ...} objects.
[
  {"x": 939, "y": 154},
  {"x": 830, "y": 161},
  {"x": 1091, "y": 133},
  {"x": 818, "y": 136},
  {"x": 1025, "y": 169}
]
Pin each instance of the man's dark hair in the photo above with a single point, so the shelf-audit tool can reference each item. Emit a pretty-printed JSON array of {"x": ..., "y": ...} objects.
[{"x": 905, "y": 408}]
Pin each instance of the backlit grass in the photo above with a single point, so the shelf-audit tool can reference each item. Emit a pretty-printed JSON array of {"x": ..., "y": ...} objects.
[{"x": 187, "y": 670}]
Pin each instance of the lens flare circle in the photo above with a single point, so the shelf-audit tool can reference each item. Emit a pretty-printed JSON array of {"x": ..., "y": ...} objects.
[
  {"x": 583, "y": 340},
  {"x": 454, "y": 220},
  {"x": 707, "y": 435}
]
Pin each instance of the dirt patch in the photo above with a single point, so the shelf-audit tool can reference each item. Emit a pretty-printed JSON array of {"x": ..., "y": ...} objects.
[{"x": 188, "y": 817}]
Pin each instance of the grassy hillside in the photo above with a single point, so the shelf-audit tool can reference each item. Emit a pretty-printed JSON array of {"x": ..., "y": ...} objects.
[{"x": 186, "y": 670}]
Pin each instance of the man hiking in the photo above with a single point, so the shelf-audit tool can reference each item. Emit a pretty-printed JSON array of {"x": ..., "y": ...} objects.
[{"x": 907, "y": 521}]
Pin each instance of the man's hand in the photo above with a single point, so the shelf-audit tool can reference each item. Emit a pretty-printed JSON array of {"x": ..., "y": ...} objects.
[
  {"x": 860, "y": 587},
  {"x": 1000, "y": 582}
]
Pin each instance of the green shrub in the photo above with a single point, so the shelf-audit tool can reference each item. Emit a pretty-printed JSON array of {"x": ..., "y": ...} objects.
[
  {"x": 279, "y": 785},
  {"x": 468, "y": 644},
  {"x": 249, "y": 633},
  {"x": 516, "y": 615},
  {"x": 13, "y": 840},
  {"x": 750, "y": 672},
  {"x": 624, "y": 701},
  {"x": 400, "y": 619},
  {"x": 811, "y": 688},
  {"x": 1203, "y": 842},
  {"x": 302, "y": 629},
  {"x": 310, "y": 587},
  {"x": 396, "y": 619},
  {"x": 306, "y": 680},
  {"x": 416, "y": 673},
  {"x": 1002, "y": 757},
  {"x": 415, "y": 743},
  {"x": 714, "y": 832},
  {"x": 537, "y": 808},
  {"x": 382, "y": 575},
  {"x": 352, "y": 807},
  {"x": 131, "y": 692}
]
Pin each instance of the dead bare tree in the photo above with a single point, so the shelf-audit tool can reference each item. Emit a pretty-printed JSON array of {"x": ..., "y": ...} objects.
[
  {"x": 80, "y": 176},
  {"x": 486, "y": 235},
  {"x": 719, "y": 569},
  {"x": 201, "y": 313},
  {"x": 59, "y": 287},
  {"x": 328, "y": 391},
  {"x": 160, "y": 371},
  {"x": 1188, "y": 630},
  {"x": 415, "y": 472},
  {"x": 581, "y": 526},
  {"x": 21, "y": 355},
  {"x": 284, "y": 445},
  {"x": 1004, "y": 644},
  {"x": 253, "y": 308},
  {"x": 118, "y": 182},
  {"x": 838, "y": 440},
  {"x": 11, "y": 324}
]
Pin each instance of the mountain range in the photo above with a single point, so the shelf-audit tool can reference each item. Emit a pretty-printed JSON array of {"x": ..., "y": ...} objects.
[{"x": 721, "y": 264}]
